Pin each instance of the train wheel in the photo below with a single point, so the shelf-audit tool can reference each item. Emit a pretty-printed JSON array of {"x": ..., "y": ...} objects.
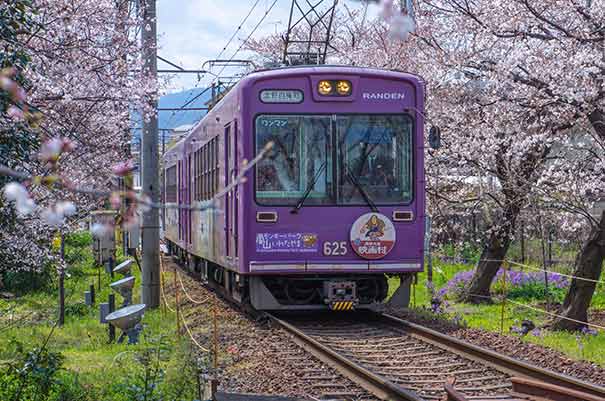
[
  {"x": 367, "y": 290},
  {"x": 300, "y": 292}
]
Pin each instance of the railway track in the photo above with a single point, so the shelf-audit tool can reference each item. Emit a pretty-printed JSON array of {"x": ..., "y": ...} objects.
[{"x": 398, "y": 360}]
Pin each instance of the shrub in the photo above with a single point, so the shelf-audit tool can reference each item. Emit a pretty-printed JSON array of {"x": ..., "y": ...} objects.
[
  {"x": 80, "y": 239},
  {"x": 74, "y": 255},
  {"x": 78, "y": 310},
  {"x": 21, "y": 282},
  {"x": 158, "y": 375},
  {"x": 35, "y": 375}
]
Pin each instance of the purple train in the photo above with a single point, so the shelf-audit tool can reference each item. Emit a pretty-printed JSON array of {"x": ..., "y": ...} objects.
[{"x": 335, "y": 208}]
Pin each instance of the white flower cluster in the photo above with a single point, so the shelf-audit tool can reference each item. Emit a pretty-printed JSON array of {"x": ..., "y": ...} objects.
[
  {"x": 17, "y": 193},
  {"x": 400, "y": 25},
  {"x": 54, "y": 215}
]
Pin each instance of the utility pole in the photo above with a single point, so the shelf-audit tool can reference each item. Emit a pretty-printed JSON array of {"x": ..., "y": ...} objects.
[{"x": 150, "y": 227}]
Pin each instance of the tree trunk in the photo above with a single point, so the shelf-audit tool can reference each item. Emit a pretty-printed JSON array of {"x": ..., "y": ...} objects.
[
  {"x": 589, "y": 264},
  {"x": 491, "y": 258}
]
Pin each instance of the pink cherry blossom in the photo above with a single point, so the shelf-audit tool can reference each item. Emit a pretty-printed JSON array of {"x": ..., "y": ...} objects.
[
  {"x": 7, "y": 84},
  {"x": 51, "y": 150}
]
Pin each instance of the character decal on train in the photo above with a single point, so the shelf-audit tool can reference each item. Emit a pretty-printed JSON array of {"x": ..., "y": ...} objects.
[{"x": 372, "y": 236}]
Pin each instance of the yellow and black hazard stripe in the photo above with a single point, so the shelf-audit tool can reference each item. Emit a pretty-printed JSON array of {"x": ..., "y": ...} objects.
[{"x": 342, "y": 305}]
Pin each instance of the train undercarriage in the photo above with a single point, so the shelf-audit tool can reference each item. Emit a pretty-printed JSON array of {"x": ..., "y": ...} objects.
[{"x": 298, "y": 292}]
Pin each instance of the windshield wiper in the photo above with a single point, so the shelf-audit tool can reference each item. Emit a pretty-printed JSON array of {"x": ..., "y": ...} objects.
[
  {"x": 309, "y": 188},
  {"x": 361, "y": 190}
]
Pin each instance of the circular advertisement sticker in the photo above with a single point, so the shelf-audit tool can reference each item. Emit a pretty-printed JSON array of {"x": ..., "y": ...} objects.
[{"x": 372, "y": 236}]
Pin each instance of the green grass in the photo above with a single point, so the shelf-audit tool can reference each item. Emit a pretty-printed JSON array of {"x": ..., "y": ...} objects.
[
  {"x": 83, "y": 341},
  {"x": 488, "y": 317}
]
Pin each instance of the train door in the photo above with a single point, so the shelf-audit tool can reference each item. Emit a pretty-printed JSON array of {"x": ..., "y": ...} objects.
[
  {"x": 188, "y": 201},
  {"x": 179, "y": 173},
  {"x": 228, "y": 194},
  {"x": 234, "y": 192}
]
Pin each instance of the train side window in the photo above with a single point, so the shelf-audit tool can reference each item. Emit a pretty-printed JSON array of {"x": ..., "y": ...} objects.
[
  {"x": 195, "y": 174},
  {"x": 171, "y": 184},
  {"x": 211, "y": 167},
  {"x": 199, "y": 174},
  {"x": 206, "y": 164},
  {"x": 195, "y": 161},
  {"x": 215, "y": 166},
  {"x": 204, "y": 172}
]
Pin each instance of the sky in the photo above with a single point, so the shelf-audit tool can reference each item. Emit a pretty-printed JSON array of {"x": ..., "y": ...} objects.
[{"x": 193, "y": 31}]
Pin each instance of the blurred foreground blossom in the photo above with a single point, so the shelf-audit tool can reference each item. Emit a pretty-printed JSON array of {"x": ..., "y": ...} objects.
[
  {"x": 51, "y": 217},
  {"x": 123, "y": 168},
  {"x": 52, "y": 149},
  {"x": 401, "y": 27},
  {"x": 100, "y": 230},
  {"x": 401, "y": 23},
  {"x": 15, "y": 192},
  {"x": 55, "y": 216}
]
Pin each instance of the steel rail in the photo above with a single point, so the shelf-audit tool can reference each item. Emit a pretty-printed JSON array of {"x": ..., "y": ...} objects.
[
  {"x": 375, "y": 384},
  {"x": 497, "y": 361}
]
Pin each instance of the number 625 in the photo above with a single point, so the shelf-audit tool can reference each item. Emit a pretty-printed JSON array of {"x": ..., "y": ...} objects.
[{"x": 335, "y": 248}]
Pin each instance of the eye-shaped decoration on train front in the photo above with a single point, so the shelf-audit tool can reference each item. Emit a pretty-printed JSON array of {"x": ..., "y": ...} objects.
[
  {"x": 334, "y": 88},
  {"x": 372, "y": 236},
  {"x": 343, "y": 88}
]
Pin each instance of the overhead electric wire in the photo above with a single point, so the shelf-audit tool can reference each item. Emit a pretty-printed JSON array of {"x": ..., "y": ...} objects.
[
  {"x": 248, "y": 38},
  {"x": 239, "y": 27}
]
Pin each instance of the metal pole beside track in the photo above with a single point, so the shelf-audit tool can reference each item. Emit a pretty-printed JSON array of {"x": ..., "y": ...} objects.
[{"x": 150, "y": 227}]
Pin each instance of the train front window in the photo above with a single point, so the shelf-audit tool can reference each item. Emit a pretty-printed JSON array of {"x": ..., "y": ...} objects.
[
  {"x": 377, "y": 151},
  {"x": 298, "y": 159}
]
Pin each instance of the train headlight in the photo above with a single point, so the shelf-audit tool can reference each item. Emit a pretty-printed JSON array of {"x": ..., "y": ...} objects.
[
  {"x": 343, "y": 88},
  {"x": 325, "y": 88}
]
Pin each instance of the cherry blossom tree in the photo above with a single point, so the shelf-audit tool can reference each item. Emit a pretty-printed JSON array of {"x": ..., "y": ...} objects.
[
  {"x": 513, "y": 84},
  {"x": 71, "y": 74},
  {"x": 545, "y": 59}
]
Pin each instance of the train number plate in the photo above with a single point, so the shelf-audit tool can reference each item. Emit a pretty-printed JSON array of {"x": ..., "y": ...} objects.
[{"x": 335, "y": 248}]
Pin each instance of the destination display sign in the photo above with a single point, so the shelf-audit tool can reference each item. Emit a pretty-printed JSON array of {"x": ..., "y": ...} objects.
[{"x": 281, "y": 96}]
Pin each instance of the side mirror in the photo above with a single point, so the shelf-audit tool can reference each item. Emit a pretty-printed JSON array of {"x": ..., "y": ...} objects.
[{"x": 435, "y": 137}]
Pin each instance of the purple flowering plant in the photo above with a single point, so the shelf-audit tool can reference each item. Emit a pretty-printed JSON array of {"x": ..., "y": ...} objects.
[{"x": 519, "y": 284}]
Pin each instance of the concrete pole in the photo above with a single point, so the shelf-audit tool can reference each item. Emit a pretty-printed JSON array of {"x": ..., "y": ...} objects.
[{"x": 150, "y": 227}]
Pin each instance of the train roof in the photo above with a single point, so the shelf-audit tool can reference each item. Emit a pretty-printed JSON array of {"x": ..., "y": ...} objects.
[{"x": 316, "y": 69}]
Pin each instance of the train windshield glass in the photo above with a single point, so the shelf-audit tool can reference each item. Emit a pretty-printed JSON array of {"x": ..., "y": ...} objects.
[
  {"x": 299, "y": 158},
  {"x": 377, "y": 151}
]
